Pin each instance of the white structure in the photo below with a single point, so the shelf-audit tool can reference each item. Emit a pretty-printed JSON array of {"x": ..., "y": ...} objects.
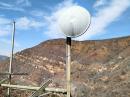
[{"x": 74, "y": 21}]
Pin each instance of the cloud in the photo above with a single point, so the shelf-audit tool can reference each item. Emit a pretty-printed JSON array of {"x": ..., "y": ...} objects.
[
  {"x": 5, "y": 47},
  {"x": 5, "y": 4},
  {"x": 4, "y": 32},
  {"x": 104, "y": 17},
  {"x": 12, "y": 8},
  {"x": 22, "y": 23},
  {"x": 38, "y": 13},
  {"x": 106, "y": 13},
  {"x": 53, "y": 30},
  {"x": 5, "y": 26},
  {"x": 25, "y": 23},
  {"x": 8, "y": 42},
  {"x": 8, "y": 6},
  {"x": 5, "y": 52},
  {"x": 24, "y": 3},
  {"x": 100, "y": 3},
  {"x": 16, "y": 6},
  {"x": 4, "y": 20}
]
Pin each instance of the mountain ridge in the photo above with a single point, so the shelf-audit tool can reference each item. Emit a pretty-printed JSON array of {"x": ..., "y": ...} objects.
[{"x": 98, "y": 68}]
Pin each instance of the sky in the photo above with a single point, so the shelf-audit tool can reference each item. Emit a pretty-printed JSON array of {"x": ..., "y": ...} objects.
[{"x": 36, "y": 21}]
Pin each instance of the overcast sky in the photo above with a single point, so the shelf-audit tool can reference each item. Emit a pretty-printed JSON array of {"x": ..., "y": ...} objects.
[{"x": 36, "y": 20}]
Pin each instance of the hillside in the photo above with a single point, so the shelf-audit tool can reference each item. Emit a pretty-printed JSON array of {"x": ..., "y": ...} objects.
[{"x": 99, "y": 68}]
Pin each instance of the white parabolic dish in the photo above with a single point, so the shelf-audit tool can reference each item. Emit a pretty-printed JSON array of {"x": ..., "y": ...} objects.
[{"x": 74, "y": 21}]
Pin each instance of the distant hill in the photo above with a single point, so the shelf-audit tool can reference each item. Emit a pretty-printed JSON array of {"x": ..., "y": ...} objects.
[
  {"x": 3, "y": 57},
  {"x": 99, "y": 68}
]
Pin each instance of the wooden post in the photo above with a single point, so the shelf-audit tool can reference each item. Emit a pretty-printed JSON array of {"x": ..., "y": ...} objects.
[
  {"x": 68, "y": 65},
  {"x": 7, "y": 73},
  {"x": 45, "y": 94},
  {"x": 36, "y": 93},
  {"x": 47, "y": 89},
  {"x": 2, "y": 81},
  {"x": 11, "y": 58}
]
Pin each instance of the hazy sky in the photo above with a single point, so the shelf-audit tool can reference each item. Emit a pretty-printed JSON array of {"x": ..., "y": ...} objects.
[{"x": 36, "y": 20}]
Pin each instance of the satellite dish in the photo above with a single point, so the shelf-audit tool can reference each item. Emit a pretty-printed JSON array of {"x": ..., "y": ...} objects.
[{"x": 74, "y": 21}]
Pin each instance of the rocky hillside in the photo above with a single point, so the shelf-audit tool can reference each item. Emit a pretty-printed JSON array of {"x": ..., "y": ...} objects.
[{"x": 99, "y": 68}]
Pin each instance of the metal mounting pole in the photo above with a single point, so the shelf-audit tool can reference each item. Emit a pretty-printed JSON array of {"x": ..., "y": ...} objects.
[
  {"x": 11, "y": 59},
  {"x": 68, "y": 65}
]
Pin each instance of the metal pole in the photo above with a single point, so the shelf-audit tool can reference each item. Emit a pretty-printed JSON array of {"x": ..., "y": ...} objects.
[
  {"x": 68, "y": 65},
  {"x": 11, "y": 59}
]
